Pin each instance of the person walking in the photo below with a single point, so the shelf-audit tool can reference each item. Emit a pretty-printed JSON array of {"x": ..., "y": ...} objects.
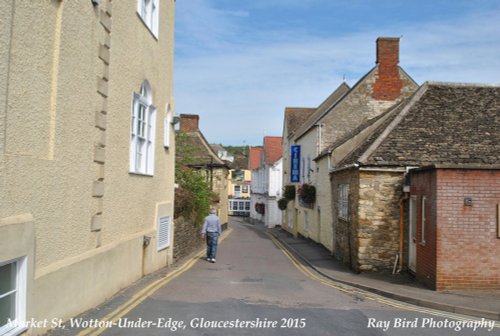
[{"x": 212, "y": 230}]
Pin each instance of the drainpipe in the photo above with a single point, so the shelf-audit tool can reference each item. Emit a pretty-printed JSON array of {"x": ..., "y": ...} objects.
[{"x": 401, "y": 224}]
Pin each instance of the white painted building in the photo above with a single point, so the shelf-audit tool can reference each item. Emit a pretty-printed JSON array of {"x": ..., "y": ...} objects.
[{"x": 267, "y": 174}]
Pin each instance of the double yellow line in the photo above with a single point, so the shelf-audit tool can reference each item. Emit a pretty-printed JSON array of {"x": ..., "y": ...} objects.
[
  {"x": 143, "y": 294},
  {"x": 314, "y": 276}
]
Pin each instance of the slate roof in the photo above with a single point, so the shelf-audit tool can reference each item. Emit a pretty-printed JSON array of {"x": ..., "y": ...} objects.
[
  {"x": 295, "y": 117},
  {"x": 359, "y": 129},
  {"x": 443, "y": 123},
  {"x": 322, "y": 109}
]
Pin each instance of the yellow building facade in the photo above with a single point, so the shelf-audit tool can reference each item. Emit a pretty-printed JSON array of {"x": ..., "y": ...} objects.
[
  {"x": 86, "y": 151},
  {"x": 238, "y": 189}
]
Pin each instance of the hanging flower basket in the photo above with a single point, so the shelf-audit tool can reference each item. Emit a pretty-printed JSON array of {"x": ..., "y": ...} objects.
[
  {"x": 282, "y": 203},
  {"x": 289, "y": 192},
  {"x": 260, "y": 208},
  {"x": 307, "y": 194}
]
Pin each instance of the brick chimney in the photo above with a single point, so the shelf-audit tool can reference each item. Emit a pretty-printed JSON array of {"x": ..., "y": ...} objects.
[
  {"x": 388, "y": 84},
  {"x": 189, "y": 123}
]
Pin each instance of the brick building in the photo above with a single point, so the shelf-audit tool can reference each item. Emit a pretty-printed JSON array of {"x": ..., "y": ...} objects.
[{"x": 454, "y": 219}]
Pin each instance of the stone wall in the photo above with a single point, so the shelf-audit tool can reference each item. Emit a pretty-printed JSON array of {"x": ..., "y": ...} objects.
[
  {"x": 368, "y": 240},
  {"x": 378, "y": 220},
  {"x": 344, "y": 229},
  {"x": 360, "y": 106},
  {"x": 186, "y": 238}
]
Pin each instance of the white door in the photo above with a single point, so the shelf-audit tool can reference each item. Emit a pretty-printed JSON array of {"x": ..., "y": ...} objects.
[{"x": 412, "y": 235}]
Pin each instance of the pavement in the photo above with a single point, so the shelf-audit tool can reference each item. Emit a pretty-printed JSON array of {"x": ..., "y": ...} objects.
[{"x": 401, "y": 287}]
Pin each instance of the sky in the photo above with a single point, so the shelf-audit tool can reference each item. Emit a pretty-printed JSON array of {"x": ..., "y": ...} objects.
[{"x": 239, "y": 63}]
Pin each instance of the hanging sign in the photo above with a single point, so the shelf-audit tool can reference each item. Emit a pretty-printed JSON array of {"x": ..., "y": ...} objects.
[{"x": 295, "y": 164}]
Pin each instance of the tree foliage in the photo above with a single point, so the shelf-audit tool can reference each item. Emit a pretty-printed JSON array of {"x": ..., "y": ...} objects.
[{"x": 193, "y": 196}]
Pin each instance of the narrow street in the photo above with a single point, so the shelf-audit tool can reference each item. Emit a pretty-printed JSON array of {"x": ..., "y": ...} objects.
[{"x": 259, "y": 290}]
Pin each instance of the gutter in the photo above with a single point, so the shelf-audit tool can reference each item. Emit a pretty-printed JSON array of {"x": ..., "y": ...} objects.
[{"x": 350, "y": 166}]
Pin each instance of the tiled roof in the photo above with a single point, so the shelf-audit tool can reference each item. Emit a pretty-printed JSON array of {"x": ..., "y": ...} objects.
[
  {"x": 357, "y": 130},
  {"x": 193, "y": 149},
  {"x": 273, "y": 148},
  {"x": 240, "y": 162},
  {"x": 295, "y": 117},
  {"x": 254, "y": 155},
  {"x": 443, "y": 123},
  {"x": 217, "y": 148}
]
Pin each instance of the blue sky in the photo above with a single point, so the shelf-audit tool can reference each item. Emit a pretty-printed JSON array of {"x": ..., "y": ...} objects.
[{"x": 238, "y": 64}]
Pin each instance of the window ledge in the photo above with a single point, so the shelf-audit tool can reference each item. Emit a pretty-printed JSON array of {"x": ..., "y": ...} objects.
[
  {"x": 141, "y": 174},
  {"x": 146, "y": 25},
  {"x": 16, "y": 331}
]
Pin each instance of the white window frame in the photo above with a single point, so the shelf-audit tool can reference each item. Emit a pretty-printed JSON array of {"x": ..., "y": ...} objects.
[
  {"x": 168, "y": 125},
  {"x": 142, "y": 132},
  {"x": 148, "y": 12},
  {"x": 343, "y": 202},
  {"x": 18, "y": 324}
]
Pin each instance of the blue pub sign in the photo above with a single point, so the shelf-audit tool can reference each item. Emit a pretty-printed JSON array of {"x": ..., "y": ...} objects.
[{"x": 295, "y": 164}]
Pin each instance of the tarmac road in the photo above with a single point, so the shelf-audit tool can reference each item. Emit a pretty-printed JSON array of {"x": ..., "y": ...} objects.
[{"x": 257, "y": 288}]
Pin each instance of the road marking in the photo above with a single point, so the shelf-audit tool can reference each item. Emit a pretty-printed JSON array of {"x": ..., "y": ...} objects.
[
  {"x": 330, "y": 283},
  {"x": 146, "y": 292}
]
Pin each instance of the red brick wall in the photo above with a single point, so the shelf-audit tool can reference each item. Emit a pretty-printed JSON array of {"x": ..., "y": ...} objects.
[
  {"x": 388, "y": 85},
  {"x": 468, "y": 247},
  {"x": 424, "y": 184},
  {"x": 466, "y": 244}
]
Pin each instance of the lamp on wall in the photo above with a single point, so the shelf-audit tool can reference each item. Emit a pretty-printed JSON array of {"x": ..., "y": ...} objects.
[{"x": 176, "y": 119}]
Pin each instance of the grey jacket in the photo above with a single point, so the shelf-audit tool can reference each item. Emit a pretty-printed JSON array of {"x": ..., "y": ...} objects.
[{"x": 211, "y": 224}]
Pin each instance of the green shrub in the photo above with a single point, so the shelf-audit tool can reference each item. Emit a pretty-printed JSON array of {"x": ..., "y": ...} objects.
[{"x": 194, "y": 198}]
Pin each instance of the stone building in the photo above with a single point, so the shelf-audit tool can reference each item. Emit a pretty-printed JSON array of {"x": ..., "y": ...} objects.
[
  {"x": 86, "y": 152},
  {"x": 441, "y": 124},
  {"x": 344, "y": 111},
  {"x": 195, "y": 151}
]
